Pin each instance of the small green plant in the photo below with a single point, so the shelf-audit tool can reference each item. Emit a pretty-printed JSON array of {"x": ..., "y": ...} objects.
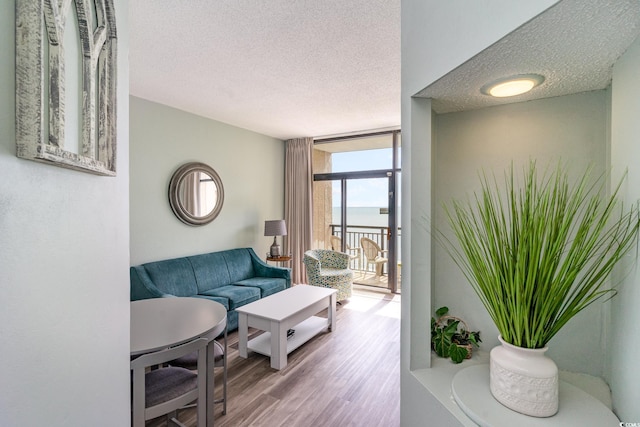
[{"x": 448, "y": 339}]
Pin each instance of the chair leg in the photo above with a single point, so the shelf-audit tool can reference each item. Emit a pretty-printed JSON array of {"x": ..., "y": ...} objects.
[
  {"x": 364, "y": 274},
  {"x": 378, "y": 270},
  {"x": 172, "y": 418},
  {"x": 224, "y": 374},
  {"x": 224, "y": 377}
]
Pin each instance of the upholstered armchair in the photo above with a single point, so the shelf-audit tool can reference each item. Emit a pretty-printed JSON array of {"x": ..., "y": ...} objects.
[
  {"x": 329, "y": 269},
  {"x": 354, "y": 253}
]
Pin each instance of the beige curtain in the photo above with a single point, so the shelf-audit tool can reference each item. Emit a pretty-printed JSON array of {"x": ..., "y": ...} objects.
[
  {"x": 298, "y": 201},
  {"x": 190, "y": 189}
]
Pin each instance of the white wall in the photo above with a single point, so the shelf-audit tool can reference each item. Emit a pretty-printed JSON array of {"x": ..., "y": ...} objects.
[
  {"x": 623, "y": 368},
  {"x": 437, "y": 36},
  {"x": 250, "y": 165},
  {"x": 64, "y": 282},
  {"x": 571, "y": 129},
  {"x": 432, "y": 46}
]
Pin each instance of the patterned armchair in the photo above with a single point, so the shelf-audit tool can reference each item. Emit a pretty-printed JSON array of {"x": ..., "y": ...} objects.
[{"x": 329, "y": 269}]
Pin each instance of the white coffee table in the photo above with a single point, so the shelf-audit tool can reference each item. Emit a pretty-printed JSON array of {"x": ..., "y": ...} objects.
[{"x": 293, "y": 308}]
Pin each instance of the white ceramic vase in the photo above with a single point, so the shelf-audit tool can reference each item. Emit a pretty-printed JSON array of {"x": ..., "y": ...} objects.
[{"x": 524, "y": 380}]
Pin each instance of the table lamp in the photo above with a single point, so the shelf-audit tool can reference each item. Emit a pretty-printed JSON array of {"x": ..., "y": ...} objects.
[{"x": 275, "y": 228}]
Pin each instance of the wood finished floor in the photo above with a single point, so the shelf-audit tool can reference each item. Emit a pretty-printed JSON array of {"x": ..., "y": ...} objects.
[{"x": 349, "y": 377}]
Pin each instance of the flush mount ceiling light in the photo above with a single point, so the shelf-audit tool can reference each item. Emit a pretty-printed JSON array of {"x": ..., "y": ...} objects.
[{"x": 512, "y": 86}]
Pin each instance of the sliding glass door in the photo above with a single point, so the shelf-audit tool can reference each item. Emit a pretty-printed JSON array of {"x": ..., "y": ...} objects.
[{"x": 363, "y": 206}]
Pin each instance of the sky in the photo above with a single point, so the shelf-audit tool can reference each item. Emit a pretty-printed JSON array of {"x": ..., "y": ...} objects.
[{"x": 362, "y": 192}]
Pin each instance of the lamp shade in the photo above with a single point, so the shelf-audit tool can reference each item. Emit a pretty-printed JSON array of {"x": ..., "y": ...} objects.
[{"x": 276, "y": 227}]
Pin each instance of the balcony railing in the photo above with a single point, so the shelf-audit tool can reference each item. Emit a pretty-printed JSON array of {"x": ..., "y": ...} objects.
[{"x": 364, "y": 272}]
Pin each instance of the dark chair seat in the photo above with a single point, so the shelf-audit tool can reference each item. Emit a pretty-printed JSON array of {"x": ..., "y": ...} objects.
[
  {"x": 162, "y": 391},
  {"x": 190, "y": 361},
  {"x": 163, "y": 385}
]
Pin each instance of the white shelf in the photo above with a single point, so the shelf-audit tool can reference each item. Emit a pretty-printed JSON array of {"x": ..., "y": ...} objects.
[
  {"x": 470, "y": 389},
  {"x": 304, "y": 331},
  {"x": 437, "y": 381}
]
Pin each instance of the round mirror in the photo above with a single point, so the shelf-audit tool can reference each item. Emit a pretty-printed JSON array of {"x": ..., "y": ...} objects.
[{"x": 196, "y": 193}]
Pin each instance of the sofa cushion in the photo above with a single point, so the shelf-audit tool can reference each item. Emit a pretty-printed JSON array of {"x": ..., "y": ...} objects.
[
  {"x": 239, "y": 264},
  {"x": 237, "y": 295},
  {"x": 267, "y": 285},
  {"x": 222, "y": 300},
  {"x": 210, "y": 271},
  {"x": 174, "y": 276}
]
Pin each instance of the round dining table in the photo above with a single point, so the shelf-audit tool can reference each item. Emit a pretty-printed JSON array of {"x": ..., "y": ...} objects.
[{"x": 160, "y": 323}]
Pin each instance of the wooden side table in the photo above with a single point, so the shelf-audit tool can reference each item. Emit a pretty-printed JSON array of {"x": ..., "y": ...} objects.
[{"x": 280, "y": 259}]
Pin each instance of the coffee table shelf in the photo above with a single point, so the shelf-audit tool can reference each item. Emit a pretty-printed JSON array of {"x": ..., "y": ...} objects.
[{"x": 304, "y": 331}]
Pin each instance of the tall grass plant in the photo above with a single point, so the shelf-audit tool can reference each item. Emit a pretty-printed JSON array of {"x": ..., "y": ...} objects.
[{"x": 539, "y": 252}]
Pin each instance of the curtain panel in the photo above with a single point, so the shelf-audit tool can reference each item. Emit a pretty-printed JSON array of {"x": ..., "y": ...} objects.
[{"x": 298, "y": 203}]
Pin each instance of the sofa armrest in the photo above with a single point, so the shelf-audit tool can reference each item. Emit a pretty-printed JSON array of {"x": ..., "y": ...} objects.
[
  {"x": 262, "y": 269},
  {"x": 142, "y": 286}
]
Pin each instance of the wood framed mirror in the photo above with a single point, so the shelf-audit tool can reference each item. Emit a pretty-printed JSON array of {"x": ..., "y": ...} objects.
[{"x": 196, "y": 193}]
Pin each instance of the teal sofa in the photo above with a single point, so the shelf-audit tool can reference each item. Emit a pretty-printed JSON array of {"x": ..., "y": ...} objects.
[{"x": 233, "y": 278}]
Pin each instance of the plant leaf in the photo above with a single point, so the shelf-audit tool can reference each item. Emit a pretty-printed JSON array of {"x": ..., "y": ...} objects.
[
  {"x": 474, "y": 338},
  {"x": 441, "y": 345},
  {"x": 458, "y": 354},
  {"x": 442, "y": 311}
]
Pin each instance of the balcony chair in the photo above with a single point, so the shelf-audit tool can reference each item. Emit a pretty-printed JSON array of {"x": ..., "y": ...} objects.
[
  {"x": 163, "y": 391},
  {"x": 329, "y": 269},
  {"x": 354, "y": 253},
  {"x": 373, "y": 255}
]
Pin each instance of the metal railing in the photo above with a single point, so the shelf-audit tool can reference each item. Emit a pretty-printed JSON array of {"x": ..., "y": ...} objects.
[{"x": 352, "y": 239}]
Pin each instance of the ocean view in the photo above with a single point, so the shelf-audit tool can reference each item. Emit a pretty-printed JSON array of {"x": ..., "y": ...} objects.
[{"x": 365, "y": 216}]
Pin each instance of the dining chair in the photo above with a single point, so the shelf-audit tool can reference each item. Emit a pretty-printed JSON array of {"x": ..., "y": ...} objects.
[
  {"x": 373, "y": 254},
  {"x": 190, "y": 361},
  {"x": 164, "y": 390}
]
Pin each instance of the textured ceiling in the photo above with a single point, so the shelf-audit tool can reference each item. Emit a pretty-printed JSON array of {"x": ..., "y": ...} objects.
[
  {"x": 280, "y": 67},
  {"x": 314, "y": 68},
  {"x": 573, "y": 45}
]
